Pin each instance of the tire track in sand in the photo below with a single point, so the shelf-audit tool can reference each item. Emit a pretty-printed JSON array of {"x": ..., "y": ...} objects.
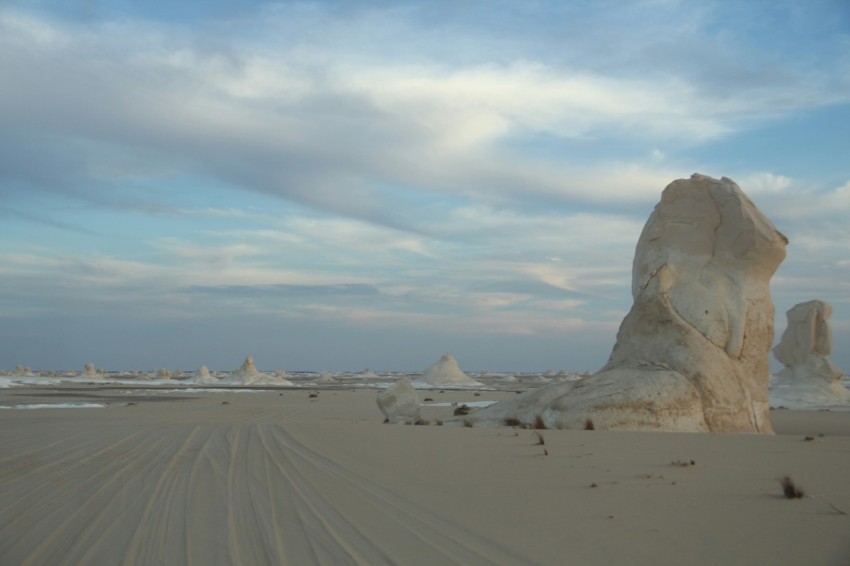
[
  {"x": 356, "y": 508},
  {"x": 234, "y": 491}
]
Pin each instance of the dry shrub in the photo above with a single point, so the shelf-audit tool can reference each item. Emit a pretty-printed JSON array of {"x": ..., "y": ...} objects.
[
  {"x": 510, "y": 421},
  {"x": 588, "y": 424},
  {"x": 462, "y": 410},
  {"x": 539, "y": 424},
  {"x": 790, "y": 489}
]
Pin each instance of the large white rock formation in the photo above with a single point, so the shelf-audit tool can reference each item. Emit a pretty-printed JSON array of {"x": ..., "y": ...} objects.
[
  {"x": 692, "y": 353},
  {"x": 809, "y": 378},
  {"x": 248, "y": 374},
  {"x": 400, "y": 402},
  {"x": 446, "y": 373}
]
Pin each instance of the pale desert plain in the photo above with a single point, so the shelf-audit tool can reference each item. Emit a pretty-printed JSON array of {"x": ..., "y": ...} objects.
[{"x": 152, "y": 475}]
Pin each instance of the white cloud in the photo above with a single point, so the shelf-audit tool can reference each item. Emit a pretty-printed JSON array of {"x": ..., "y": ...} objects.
[
  {"x": 764, "y": 182},
  {"x": 330, "y": 128}
]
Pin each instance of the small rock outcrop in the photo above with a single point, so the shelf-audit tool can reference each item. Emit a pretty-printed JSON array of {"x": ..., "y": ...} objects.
[
  {"x": 23, "y": 371},
  {"x": 248, "y": 374},
  {"x": 326, "y": 378},
  {"x": 400, "y": 402},
  {"x": 446, "y": 373},
  {"x": 203, "y": 376},
  {"x": 809, "y": 378},
  {"x": 692, "y": 353},
  {"x": 90, "y": 370}
]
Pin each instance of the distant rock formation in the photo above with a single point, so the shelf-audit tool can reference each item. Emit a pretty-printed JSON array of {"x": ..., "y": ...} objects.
[
  {"x": 203, "y": 376},
  {"x": 326, "y": 378},
  {"x": 248, "y": 374},
  {"x": 446, "y": 373},
  {"x": 399, "y": 402},
  {"x": 23, "y": 371},
  {"x": 692, "y": 353},
  {"x": 809, "y": 378},
  {"x": 90, "y": 371}
]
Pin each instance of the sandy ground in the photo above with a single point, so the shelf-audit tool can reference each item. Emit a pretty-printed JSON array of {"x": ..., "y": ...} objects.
[{"x": 282, "y": 478}]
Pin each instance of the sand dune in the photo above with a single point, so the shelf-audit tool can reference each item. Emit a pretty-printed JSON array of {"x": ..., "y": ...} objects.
[{"x": 282, "y": 478}]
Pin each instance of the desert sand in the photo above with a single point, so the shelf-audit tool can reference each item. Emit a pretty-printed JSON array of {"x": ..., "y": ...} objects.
[{"x": 283, "y": 477}]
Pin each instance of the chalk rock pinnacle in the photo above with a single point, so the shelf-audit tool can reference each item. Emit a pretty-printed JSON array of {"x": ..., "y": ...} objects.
[
  {"x": 807, "y": 343},
  {"x": 446, "y": 372},
  {"x": 809, "y": 378},
  {"x": 692, "y": 354}
]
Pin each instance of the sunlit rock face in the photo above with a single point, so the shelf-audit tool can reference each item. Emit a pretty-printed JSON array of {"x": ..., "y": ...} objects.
[
  {"x": 809, "y": 378},
  {"x": 692, "y": 353},
  {"x": 400, "y": 403}
]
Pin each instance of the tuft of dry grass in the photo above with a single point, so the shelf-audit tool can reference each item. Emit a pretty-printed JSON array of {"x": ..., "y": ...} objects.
[
  {"x": 790, "y": 489},
  {"x": 462, "y": 410},
  {"x": 539, "y": 424},
  {"x": 588, "y": 424},
  {"x": 510, "y": 421}
]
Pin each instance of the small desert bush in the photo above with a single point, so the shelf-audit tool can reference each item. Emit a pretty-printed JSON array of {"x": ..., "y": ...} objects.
[
  {"x": 790, "y": 489},
  {"x": 588, "y": 424},
  {"x": 510, "y": 421},
  {"x": 539, "y": 424},
  {"x": 462, "y": 410}
]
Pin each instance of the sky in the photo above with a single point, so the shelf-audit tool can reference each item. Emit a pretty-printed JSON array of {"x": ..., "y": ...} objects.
[{"x": 335, "y": 186}]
